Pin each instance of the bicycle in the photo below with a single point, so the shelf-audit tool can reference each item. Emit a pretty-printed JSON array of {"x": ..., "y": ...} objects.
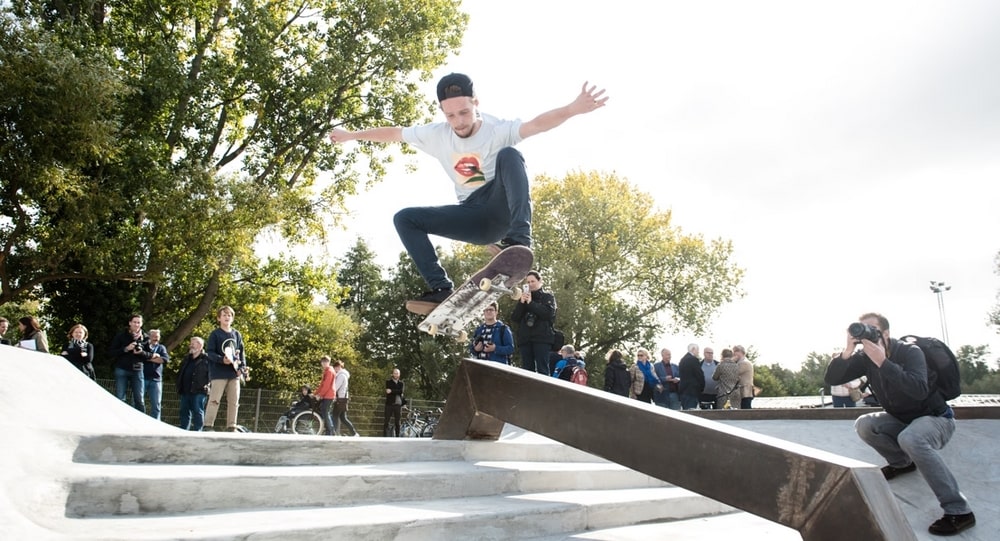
[
  {"x": 419, "y": 424},
  {"x": 303, "y": 417}
]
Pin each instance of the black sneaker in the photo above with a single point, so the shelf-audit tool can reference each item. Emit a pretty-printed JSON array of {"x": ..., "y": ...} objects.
[
  {"x": 892, "y": 471},
  {"x": 437, "y": 296},
  {"x": 498, "y": 247},
  {"x": 952, "y": 524}
]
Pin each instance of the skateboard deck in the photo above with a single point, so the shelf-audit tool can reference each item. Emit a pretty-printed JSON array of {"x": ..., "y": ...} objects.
[{"x": 499, "y": 277}]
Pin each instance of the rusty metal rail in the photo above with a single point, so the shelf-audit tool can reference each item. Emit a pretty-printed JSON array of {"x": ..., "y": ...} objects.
[{"x": 810, "y": 490}]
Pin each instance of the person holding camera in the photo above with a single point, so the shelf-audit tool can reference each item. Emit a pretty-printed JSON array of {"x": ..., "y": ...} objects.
[
  {"x": 916, "y": 422},
  {"x": 492, "y": 340},
  {"x": 130, "y": 350},
  {"x": 79, "y": 352},
  {"x": 535, "y": 314}
]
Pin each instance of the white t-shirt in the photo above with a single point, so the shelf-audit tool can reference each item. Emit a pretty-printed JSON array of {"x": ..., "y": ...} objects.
[{"x": 469, "y": 162}]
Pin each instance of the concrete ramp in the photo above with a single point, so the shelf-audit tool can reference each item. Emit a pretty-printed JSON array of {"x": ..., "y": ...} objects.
[{"x": 76, "y": 463}]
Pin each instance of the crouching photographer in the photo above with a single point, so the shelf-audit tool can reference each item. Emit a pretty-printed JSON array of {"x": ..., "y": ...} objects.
[{"x": 916, "y": 422}]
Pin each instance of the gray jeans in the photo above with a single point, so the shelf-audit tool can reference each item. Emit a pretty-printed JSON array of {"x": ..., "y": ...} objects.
[{"x": 917, "y": 442}]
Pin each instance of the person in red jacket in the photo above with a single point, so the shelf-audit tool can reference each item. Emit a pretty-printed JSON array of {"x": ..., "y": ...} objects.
[{"x": 326, "y": 394}]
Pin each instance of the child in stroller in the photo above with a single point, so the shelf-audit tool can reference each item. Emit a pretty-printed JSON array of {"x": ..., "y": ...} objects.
[{"x": 303, "y": 415}]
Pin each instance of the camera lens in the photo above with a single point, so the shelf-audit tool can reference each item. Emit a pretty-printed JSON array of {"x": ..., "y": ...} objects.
[{"x": 857, "y": 330}]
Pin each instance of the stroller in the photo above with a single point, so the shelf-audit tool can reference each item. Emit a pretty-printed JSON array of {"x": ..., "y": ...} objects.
[{"x": 302, "y": 416}]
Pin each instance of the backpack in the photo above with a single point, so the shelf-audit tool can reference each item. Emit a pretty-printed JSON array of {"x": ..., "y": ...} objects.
[
  {"x": 942, "y": 366},
  {"x": 574, "y": 374}
]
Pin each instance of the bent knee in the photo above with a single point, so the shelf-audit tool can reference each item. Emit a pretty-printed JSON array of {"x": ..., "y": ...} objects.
[{"x": 510, "y": 153}]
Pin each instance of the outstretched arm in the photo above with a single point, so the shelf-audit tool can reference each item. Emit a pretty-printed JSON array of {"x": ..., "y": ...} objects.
[
  {"x": 590, "y": 99},
  {"x": 390, "y": 134}
]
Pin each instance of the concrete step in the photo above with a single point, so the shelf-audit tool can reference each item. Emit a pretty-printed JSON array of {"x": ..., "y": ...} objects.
[
  {"x": 486, "y": 518},
  {"x": 100, "y": 490},
  {"x": 200, "y": 448}
]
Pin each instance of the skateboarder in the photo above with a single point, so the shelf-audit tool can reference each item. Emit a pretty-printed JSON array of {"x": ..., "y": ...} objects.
[{"x": 490, "y": 179}]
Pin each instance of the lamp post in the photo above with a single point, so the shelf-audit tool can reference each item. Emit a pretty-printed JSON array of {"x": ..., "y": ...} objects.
[{"x": 939, "y": 288}]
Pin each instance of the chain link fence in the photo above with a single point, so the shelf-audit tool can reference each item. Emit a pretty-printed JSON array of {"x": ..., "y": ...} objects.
[{"x": 260, "y": 409}]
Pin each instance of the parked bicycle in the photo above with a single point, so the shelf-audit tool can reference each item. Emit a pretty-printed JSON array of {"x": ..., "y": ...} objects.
[
  {"x": 419, "y": 424},
  {"x": 303, "y": 417}
]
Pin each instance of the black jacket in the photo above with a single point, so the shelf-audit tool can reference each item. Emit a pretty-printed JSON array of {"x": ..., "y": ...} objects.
[
  {"x": 535, "y": 319},
  {"x": 692, "y": 376},
  {"x": 396, "y": 388},
  {"x": 616, "y": 378},
  {"x": 192, "y": 378},
  {"x": 900, "y": 384},
  {"x": 127, "y": 360}
]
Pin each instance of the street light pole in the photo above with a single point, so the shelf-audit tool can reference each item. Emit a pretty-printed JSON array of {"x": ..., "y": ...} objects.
[{"x": 939, "y": 288}]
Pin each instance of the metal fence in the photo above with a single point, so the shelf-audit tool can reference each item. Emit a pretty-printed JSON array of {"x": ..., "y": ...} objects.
[{"x": 260, "y": 409}]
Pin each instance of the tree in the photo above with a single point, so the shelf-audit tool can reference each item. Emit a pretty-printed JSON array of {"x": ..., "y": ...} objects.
[
  {"x": 620, "y": 271},
  {"x": 149, "y": 146}
]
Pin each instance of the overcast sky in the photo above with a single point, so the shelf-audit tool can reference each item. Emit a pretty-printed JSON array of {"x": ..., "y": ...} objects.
[{"x": 849, "y": 150}]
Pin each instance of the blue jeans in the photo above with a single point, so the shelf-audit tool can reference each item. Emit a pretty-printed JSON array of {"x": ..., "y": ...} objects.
[
  {"x": 843, "y": 402},
  {"x": 193, "y": 411},
  {"x": 324, "y": 413},
  {"x": 133, "y": 379},
  {"x": 689, "y": 401},
  {"x": 535, "y": 356},
  {"x": 154, "y": 390},
  {"x": 500, "y": 208},
  {"x": 668, "y": 399},
  {"x": 919, "y": 443}
]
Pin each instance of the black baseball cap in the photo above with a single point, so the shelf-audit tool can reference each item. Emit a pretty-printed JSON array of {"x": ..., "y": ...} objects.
[{"x": 454, "y": 85}]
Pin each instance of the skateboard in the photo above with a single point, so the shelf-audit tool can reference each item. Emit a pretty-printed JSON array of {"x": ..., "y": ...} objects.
[{"x": 499, "y": 277}]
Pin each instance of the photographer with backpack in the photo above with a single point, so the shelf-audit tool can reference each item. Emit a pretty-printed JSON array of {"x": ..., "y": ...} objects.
[{"x": 916, "y": 422}]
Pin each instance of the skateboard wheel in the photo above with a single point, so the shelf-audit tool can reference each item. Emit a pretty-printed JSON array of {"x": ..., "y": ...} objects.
[
  {"x": 485, "y": 284},
  {"x": 462, "y": 337},
  {"x": 515, "y": 293},
  {"x": 432, "y": 330}
]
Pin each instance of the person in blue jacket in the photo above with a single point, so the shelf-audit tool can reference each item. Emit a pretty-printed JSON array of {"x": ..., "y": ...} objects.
[{"x": 492, "y": 340}]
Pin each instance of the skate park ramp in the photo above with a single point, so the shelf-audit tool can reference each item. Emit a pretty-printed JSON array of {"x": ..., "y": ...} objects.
[{"x": 49, "y": 412}]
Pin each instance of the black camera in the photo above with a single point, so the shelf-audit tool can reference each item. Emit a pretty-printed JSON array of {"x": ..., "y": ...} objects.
[{"x": 861, "y": 331}]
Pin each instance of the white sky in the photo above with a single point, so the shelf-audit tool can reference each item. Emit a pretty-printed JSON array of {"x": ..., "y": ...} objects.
[{"x": 850, "y": 150}]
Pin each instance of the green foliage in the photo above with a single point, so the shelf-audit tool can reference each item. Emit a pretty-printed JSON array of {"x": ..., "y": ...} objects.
[
  {"x": 145, "y": 148},
  {"x": 620, "y": 271}
]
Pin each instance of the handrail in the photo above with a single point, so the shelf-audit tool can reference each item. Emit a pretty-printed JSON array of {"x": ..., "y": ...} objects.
[{"x": 807, "y": 489}]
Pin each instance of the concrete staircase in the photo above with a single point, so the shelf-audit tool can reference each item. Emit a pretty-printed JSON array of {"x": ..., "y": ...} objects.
[{"x": 229, "y": 486}]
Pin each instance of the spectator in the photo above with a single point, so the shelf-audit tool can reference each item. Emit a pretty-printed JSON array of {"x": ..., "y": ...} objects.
[
  {"x": 226, "y": 366},
  {"x": 727, "y": 391},
  {"x": 668, "y": 375},
  {"x": 692, "y": 378},
  {"x": 535, "y": 314},
  {"x": 32, "y": 335},
  {"x": 847, "y": 394},
  {"x": 152, "y": 373},
  {"x": 4, "y": 325},
  {"x": 79, "y": 352},
  {"x": 326, "y": 393},
  {"x": 745, "y": 369},
  {"x": 193, "y": 381},
  {"x": 340, "y": 384},
  {"x": 916, "y": 422},
  {"x": 394, "y": 402},
  {"x": 616, "y": 377},
  {"x": 566, "y": 355},
  {"x": 707, "y": 399},
  {"x": 644, "y": 382},
  {"x": 492, "y": 340},
  {"x": 129, "y": 349}
]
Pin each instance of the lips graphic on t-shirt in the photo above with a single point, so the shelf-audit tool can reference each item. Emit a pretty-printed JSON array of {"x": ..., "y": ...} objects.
[{"x": 468, "y": 167}]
